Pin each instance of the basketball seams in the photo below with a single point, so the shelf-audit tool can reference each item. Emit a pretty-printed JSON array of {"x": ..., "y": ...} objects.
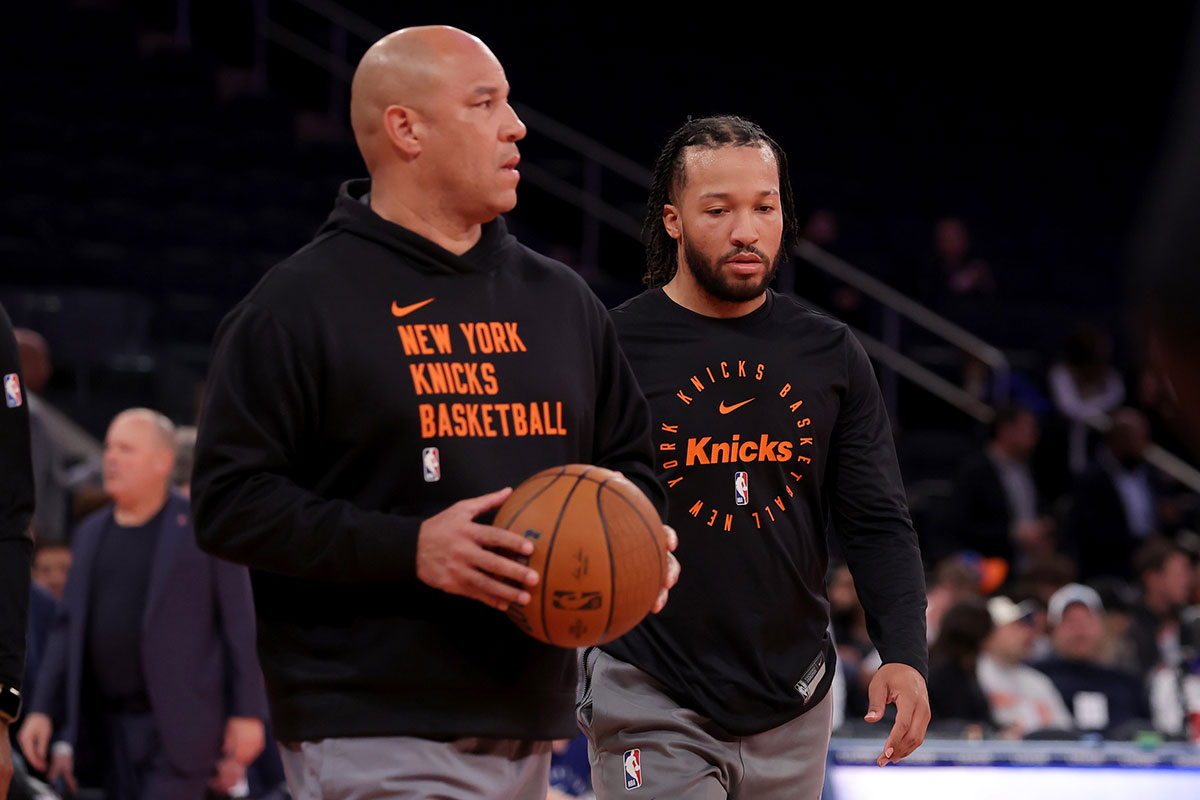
[
  {"x": 636, "y": 510},
  {"x": 535, "y": 495},
  {"x": 612, "y": 563},
  {"x": 550, "y": 545}
]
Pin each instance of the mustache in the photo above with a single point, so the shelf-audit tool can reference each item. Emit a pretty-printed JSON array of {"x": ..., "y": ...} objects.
[{"x": 746, "y": 251}]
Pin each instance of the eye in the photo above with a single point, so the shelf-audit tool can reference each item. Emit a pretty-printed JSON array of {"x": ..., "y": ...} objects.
[
  {"x": 484, "y": 104},
  {"x": 766, "y": 209},
  {"x": 715, "y": 212}
]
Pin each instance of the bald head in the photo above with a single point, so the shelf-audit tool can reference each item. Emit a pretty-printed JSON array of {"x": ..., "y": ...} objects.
[
  {"x": 156, "y": 426},
  {"x": 139, "y": 452},
  {"x": 404, "y": 68}
]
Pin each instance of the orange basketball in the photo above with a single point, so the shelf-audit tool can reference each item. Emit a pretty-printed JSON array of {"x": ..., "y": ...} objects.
[{"x": 599, "y": 549}]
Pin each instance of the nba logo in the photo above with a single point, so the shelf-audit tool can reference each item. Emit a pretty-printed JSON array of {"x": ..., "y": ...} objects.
[
  {"x": 12, "y": 390},
  {"x": 432, "y": 464},
  {"x": 741, "y": 488},
  {"x": 633, "y": 769}
]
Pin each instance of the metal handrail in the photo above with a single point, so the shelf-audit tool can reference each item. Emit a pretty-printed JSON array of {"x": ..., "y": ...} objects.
[
  {"x": 543, "y": 179},
  {"x": 907, "y": 307},
  {"x": 1174, "y": 466},
  {"x": 364, "y": 29},
  {"x": 926, "y": 378},
  {"x": 590, "y": 148},
  {"x": 310, "y": 52},
  {"x": 1156, "y": 456},
  {"x": 614, "y": 217},
  {"x": 369, "y": 32}
]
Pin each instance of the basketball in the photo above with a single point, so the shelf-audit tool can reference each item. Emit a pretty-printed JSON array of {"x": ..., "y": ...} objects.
[{"x": 599, "y": 550}]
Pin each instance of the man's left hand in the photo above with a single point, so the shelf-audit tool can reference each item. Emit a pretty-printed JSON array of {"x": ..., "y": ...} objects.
[
  {"x": 6, "y": 765},
  {"x": 245, "y": 738},
  {"x": 904, "y": 686},
  {"x": 672, "y": 569},
  {"x": 228, "y": 774}
]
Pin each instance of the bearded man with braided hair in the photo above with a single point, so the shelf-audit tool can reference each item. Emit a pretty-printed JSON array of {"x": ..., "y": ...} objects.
[{"x": 768, "y": 425}]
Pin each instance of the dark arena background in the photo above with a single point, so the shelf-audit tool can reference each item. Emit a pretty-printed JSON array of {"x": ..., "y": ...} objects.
[{"x": 974, "y": 184}]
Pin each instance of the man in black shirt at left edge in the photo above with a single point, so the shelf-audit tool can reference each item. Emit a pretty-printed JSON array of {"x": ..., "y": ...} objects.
[
  {"x": 373, "y": 396},
  {"x": 16, "y": 546}
]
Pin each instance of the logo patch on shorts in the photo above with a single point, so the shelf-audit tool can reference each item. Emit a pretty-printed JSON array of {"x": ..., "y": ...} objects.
[
  {"x": 431, "y": 463},
  {"x": 633, "y": 768},
  {"x": 12, "y": 390}
]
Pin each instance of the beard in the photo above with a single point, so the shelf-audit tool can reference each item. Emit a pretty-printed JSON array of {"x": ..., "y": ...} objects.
[{"x": 730, "y": 289}]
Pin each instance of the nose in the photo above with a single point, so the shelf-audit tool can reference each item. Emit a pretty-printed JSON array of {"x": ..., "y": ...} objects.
[
  {"x": 513, "y": 129},
  {"x": 744, "y": 231}
]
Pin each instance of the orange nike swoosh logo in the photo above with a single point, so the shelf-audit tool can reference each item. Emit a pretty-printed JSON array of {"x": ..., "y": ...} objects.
[
  {"x": 724, "y": 409},
  {"x": 398, "y": 311}
]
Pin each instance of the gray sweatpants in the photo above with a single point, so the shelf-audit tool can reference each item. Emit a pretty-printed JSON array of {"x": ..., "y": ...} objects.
[
  {"x": 641, "y": 741},
  {"x": 406, "y": 768}
]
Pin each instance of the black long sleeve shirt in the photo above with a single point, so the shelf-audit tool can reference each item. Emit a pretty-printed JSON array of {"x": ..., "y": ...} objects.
[
  {"x": 766, "y": 427},
  {"x": 367, "y": 383},
  {"x": 16, "y": 509}
]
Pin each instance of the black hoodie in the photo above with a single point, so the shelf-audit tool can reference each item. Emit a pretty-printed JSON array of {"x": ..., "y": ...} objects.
[{"x": 330, "y": 386}]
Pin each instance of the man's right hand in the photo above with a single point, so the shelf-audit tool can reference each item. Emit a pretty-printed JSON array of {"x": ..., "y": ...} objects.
[
  {"x": 62, "y": 765},
  {"x": 454, "y": 555},
  {"x": 34, "y": 738},
  {"x": 6, "y": 765}
]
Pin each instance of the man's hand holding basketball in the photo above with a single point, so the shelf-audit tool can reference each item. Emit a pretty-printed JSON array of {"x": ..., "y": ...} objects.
[
  {"x": 456, "y": 554},
  {"x": 672, "y": 569}
]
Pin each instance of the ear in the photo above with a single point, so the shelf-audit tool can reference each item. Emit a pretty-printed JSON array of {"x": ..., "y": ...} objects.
[
  {"x": 165, "y": 462},
  {"x": 402, "y": 127},
  {"x": 670, "y": 218}
]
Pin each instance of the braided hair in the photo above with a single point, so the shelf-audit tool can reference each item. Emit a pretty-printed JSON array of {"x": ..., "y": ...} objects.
[{"x": 711, "y": 133}]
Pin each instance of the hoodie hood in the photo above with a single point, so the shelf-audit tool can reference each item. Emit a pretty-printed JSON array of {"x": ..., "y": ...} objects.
[{"x": 352, "y": 214}]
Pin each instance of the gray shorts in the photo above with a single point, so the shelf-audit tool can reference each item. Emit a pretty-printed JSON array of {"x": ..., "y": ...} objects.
[
  {"x": 403, "y": 767},
  {"x": 641, "y": 742}
]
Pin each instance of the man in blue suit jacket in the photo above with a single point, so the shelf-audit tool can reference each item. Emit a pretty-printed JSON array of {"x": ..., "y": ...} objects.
[{"x": 152, "y": 653}]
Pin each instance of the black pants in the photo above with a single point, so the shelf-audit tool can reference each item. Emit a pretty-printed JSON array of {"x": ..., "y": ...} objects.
[{"x": 137, "y": 767}]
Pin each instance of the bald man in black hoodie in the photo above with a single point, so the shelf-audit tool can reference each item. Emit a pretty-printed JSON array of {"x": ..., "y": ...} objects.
[{"x": 374, "y": 394}]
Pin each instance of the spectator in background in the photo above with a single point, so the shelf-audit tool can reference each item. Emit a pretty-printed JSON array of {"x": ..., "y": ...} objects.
[
  {"x": 1099, "y": 697},
  {"x": 994, "y": 509},
  {"x": 1045, "y": 576},
  {"x": 979, "y": 382},
  {"x": 51, "y": 566},
  {"x": 52, "y": 515},
  {"x": 152, "y": 651},
  {"x": 954, "y": 580},
  {"x": 1165, "y": 573},
  {"x": 954, "y": 691},
  {"x": 1119, "y": 599},
  {"x": 1113, "y": 506},
  {"x": 816, "y": 286},
  {"x": 1084, "y": 387},
  {"x": 185, "y": 458},
  {"x": 955, "y": 271},
  {"x": 1022, "y": 699}
]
